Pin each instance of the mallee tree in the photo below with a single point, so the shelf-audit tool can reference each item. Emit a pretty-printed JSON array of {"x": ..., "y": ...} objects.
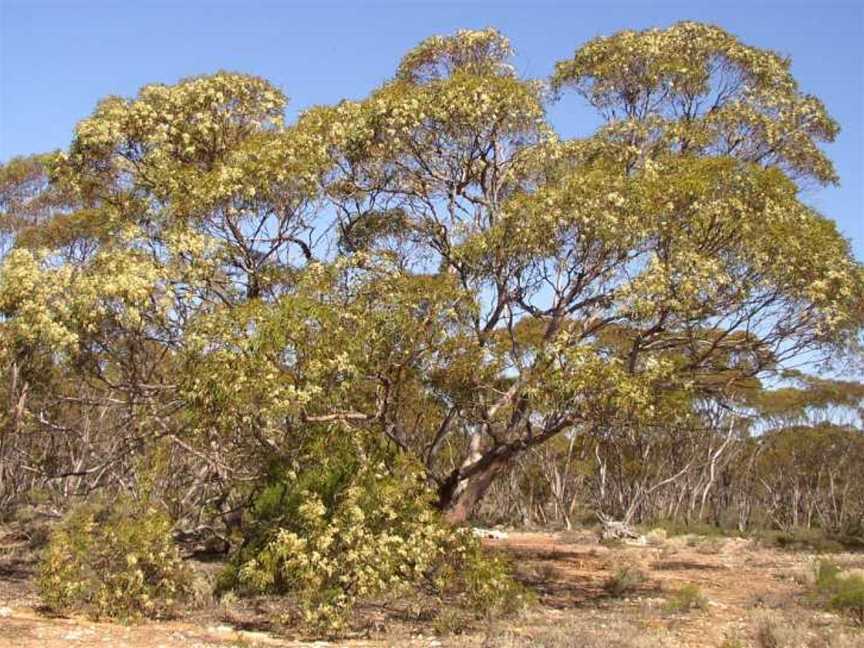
[{"x": 432, "y": 265}]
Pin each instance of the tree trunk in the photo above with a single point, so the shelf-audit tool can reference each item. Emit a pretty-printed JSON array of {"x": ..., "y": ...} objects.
[
  {"x": 463, "y": 489},
  {"x": 460, "y": 493}
]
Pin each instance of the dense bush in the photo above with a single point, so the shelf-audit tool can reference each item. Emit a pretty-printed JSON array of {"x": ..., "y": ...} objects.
[
  {"x": 480, "y": 581},
  {"x": 115, "y": 561},
  {"x": 355, "y": 525}
]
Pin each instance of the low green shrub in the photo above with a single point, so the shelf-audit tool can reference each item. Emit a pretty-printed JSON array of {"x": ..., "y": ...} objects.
[
  {"x": 733, "y": 642},
  {"x": 451, "y": 621},
  {"x": 656, "y": 537},
  {"x": 34, "y": 525},
  {"x": 115, "y": 561},
  {"x": 710, "y": 546},
  {"x": 849, "y": 598},
  {"x": 686, "y": 599},
  {"x": 479, "y": 580},
  {"x": 678, "y": 528},
  {"x": 815, "y": 540},
  {"x": 838, "y": 591},
  {"x": 771, "y": 631},
  {"x": 624, "y": 581},
  {"x": 825, "y": 576}
]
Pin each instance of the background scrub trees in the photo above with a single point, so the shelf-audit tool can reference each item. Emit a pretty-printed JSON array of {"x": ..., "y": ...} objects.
[
  {"x": 432, "y": 264},
  {"x": 810, "y": 455}
]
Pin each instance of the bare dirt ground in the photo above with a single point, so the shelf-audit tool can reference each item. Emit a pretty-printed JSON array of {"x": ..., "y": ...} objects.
[{"x": 754, "y": 596}]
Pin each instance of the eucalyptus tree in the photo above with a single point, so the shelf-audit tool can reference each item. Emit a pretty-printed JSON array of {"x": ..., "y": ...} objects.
[
  {"x": 433, "y": 264},
  {"x": 664, "y": 227}
]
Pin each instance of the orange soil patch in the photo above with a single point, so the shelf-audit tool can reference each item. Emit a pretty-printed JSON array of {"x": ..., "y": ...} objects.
[{"x": 735, "y": 576}]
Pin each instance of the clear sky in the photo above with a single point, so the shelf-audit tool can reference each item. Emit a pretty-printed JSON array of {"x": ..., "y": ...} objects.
[{"x": 57, "y": 59}]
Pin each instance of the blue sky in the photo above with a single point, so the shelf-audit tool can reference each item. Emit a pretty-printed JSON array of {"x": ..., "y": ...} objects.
[{"x": 57, "y": 59}]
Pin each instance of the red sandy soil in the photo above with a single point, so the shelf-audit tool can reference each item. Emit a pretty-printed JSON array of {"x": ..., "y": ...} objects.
[{"x": 740, "y": 581}]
